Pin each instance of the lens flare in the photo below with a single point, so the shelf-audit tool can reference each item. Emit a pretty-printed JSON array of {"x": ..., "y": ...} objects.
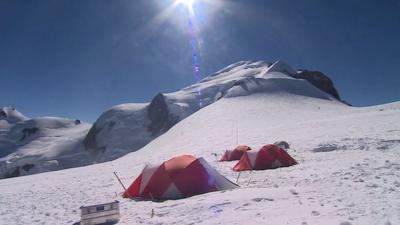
[
  {"x": 187, "y": 3},
  {"x": 191, "y": 17}
]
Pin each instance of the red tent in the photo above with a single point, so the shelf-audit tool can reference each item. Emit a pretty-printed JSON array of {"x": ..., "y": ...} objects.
[
  {"x": 268, "y": 157},
  {"x": 179, "y": 177},
  {"x": 235, "y": 154}
]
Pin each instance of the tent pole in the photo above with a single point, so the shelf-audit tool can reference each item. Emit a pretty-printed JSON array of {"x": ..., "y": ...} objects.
[{"x": 115, "y": 173}]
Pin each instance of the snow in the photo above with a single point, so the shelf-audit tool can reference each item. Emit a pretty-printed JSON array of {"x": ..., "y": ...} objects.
[
  {"x": 11, "y": 115},
  {"x": 41, "y": 144},
  {"x": 347, "y": 172},
  {"x": 108, "y": 139},
  {"x": 128, "y": 127},
  {"x": 120, "y": 127}
]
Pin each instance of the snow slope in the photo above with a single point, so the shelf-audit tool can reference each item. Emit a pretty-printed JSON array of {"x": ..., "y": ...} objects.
[
  {"x": 347, "y": 172},
  {"x": 41, "y": 144},
  {"x": 56, "y": 143},
  {"x": 110, "y": 137},
  {"x": 11, "y": 115}
]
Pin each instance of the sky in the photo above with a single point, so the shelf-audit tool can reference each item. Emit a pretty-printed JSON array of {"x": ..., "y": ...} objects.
[{"x": 76, "y": 59}]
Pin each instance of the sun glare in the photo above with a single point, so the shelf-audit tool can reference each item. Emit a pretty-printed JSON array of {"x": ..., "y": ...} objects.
[{"x": 187, "y": 3}]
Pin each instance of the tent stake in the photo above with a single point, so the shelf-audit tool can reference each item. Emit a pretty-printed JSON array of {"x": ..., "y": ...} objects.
[
  {"x": 249, "y": 181},
  {"x": 237, "y": 179}
]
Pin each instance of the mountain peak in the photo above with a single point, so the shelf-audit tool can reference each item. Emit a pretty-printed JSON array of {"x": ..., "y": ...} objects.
[
  {"x": 283, "y": 67},
  {"x": 11, "y": 115}
]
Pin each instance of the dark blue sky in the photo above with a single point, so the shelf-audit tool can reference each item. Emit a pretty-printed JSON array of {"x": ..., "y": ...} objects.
[{"x": 77, "y": 58}]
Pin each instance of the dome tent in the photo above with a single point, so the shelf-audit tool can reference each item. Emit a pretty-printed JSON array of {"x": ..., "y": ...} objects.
[
  {"x": 235, "y": 154},
  {"x": 268, "y": 157},
  {"x": 179, "y": 177}
]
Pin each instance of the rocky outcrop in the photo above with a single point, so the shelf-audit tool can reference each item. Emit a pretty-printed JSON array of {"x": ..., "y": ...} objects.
[
  {"x": 90, "y": 140},
  {"x": 26, "y": 132},
  {"x": 160, "y": 117},
  {"x": 3, "y": 114},
  {"x": 11, "y": 173},
  {"x": 319, "y": 80}
]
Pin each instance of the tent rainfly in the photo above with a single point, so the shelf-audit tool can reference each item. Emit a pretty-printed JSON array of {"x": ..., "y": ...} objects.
[
  {"x": 268, "y": 157},
  {"x": 179, "y": 177},
  {"x": 235, "y": 154}
]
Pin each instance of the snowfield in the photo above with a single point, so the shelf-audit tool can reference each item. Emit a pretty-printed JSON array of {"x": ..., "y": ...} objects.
[{"x": 348, "y": 171}]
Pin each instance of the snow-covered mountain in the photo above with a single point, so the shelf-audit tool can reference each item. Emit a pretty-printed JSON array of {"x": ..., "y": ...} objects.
[
  {"x": 11, "y": 115},
  {"x": 347, "y": 172},
  {"x": 44, "y": 144},
  {"x": 128, "y": 127}
]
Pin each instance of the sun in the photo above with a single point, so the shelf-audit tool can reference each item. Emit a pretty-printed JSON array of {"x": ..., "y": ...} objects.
[{"x": 187, "y": 3}]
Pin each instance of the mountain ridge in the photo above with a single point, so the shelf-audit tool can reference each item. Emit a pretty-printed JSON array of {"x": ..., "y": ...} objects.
[{"x": 128, "y": 127}]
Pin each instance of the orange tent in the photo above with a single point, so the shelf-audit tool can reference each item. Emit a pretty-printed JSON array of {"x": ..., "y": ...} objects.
[
  {"x": 235, "y": 154},
  {"x": 179, "y": 177},
  {"x": 268, "y": 157}
]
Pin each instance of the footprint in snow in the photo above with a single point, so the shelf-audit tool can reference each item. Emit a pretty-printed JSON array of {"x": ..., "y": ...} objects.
[
  {"x": 345, "y": 223},
  {"x": 218, "y": 207},
  {"x": 315, "y": 213},
  {"x": 262, "y": 199},
  {"x": 325, "y": 148},
  {"x": 221, "y": 204},
  {"x": 372, "y": 185},
  {"x": 243, "y": 206},
  {"x": 161, "y": 214},
  {"x": 169, "y": 206}
]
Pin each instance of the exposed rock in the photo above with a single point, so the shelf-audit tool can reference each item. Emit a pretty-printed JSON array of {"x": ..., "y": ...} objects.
[
  {"x": 319, "y": 80},
  {"x": 3, "y": 115},
  {"x": 13, "y": 173},
  {"x": 111, "y": 125},
  {"x": 26, "y": 132},
  {"x": 27, "y": 167},
  {"x": 160, "y": 118},
  {"x": 90, "y": 140}
]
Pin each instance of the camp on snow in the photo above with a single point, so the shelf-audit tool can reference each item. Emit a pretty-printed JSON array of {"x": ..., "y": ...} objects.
[
  {"x": 268, "y": 157},
  {"x": 179, "y": 177}
]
